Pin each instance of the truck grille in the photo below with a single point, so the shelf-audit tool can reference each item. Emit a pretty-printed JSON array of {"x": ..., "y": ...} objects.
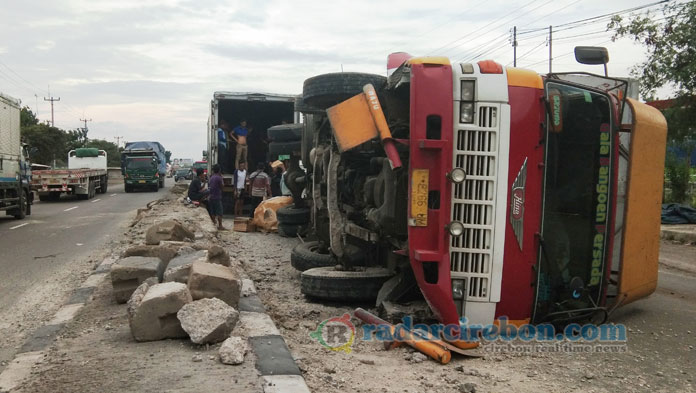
[{"x": 473, "y": 203}]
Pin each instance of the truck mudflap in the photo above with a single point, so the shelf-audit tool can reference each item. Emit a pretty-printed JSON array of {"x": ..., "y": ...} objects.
[{"x": 429, "y": 190}]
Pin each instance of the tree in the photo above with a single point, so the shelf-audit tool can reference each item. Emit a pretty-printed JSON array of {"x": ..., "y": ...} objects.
[
  {"x": 670, "y": 42},
  {"x": 51, "y": 143},
  {"x": 113, "y": 153},
  {"x": 27, "y": 118},
  {"x": 168, "y": 155}
]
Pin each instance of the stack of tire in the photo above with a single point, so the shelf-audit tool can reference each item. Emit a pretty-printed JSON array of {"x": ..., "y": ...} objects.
[
  {"x": 293, "y": 221},
  {"x": 286, "y": 140}
]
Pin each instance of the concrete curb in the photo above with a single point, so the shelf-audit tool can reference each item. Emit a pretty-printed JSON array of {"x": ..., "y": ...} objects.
[
  {"x": 274, "y": 361},
  {"x": 32, "y": 351},
  {"x": 682, "y": 233}
]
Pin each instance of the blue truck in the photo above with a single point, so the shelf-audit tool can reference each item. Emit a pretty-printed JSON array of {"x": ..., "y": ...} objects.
[{"x": 154, "y": 147}]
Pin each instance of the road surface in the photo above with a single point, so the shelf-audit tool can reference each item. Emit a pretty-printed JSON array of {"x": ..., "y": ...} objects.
[{"x": 48, "y": 254}]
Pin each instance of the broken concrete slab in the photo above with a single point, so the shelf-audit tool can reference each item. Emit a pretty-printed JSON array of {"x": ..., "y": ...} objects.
[
  {"x": 233, "y": 349},
  {"x": 208, "y": 321},
  {"x": 128, "y": 273},
  {"x": 218, "y": 255},
  {"x": 167, "y": 230},
  {"x": 152, "y": 311},
  {"x": 208, "y": 280},
  {"x": 165, "y": 252},
  {"x": 178, "y": 268}
]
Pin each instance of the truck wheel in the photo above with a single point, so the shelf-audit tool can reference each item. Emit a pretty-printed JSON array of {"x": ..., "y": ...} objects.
[
  {"x": 102, "y": 185},
  {"x": 160, "y": 184},
  {"x": 127, "y": 188},
  {"x": 284, "y": 148},
  {"x": 352, "y": 286},
  {"x": 309, "y": 255},
  {"x": 21, "y": 212},
  {"x": 44, "y": 197},
  {"x": 302, "y": 107},
  {"x": 292, "y": 215},
  {"x": 324, "y": 91},
  {"x": 285, "y": 132},
  {"x": 156, "y": 187},
  {"x": 54, "y": 196}
]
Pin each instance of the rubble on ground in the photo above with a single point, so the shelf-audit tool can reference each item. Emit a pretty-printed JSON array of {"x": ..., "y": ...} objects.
[
  {"x": 208, "y": 280},
  {"x": 168, "y": 230},
  {"x": 178, "y": 268},
  {"x": 152, "y": 311},
  {"x": 208, "y": 321},
  {"x": 233, "y": 349},
  {"x": 128, "y": 273}
]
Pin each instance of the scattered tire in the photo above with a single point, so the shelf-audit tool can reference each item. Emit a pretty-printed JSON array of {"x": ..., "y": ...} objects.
[
  {"x": 308, "y": 255},
  {"x": 284, "y": 148},
  {"x": 330, "y": 284},
  {"x": 302, "y": 107},
  {"x": 291, "y": 230},
  {"x": 324, "y": 91},
  {"x": 292, "y": 215},
  {"x": 285, "y": 132}
]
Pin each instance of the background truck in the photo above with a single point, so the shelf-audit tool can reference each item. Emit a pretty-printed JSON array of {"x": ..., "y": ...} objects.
[
  {"x": 159, "y": 152},
  {"x": 486, "y": 191},
  {"x": 261, "y": 112},
  {"x": 86, "y": 175},
  {"x": 140, "y": 168},
  {"x": 15, "y": 172}
]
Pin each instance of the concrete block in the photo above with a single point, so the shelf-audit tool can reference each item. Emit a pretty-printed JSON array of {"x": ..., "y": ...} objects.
[
  {"x": 208, "y": 280},
  {"x": 165, "y": 252},
  {"x": 208, "y": 321},
  {"x": 152, "y": 311},
  {"x": 232, "y": 350},
  {"x": 167, "y": 230},
  {"x": 128, "y": 273},
  {"x": 218, "y": 255},
  {"x": 178, "y": 268}
]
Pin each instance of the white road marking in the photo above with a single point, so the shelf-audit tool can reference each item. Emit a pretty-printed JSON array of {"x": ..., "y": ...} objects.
[
  {"x": 67, "y": 210},
  {"x": 19, "y": 226},
  {"x": 96, "y": 200},
  {"x": 113, "y": 194}
]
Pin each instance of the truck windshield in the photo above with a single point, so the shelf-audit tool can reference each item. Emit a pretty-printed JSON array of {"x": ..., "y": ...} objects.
[
  {"x": 141, "y": 163},
  {"x": 576, "y": 201}
]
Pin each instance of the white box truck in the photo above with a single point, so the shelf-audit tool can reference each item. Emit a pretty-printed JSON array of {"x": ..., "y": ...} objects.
[{"x": 15, "y": 173}]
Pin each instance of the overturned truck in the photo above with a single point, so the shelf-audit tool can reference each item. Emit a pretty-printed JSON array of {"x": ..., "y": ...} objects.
[{"x": 488, "y": 191}]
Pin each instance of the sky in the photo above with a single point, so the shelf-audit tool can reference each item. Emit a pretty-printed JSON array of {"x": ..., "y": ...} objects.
[{"x": 147, "y": 70}]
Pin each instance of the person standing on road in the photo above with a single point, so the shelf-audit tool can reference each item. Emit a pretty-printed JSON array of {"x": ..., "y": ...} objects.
[
  {"x": 240, "y": 175},
  {"x": 260, "y": 184},
  {"x": 239, "y": 134},
  {"x": 215, "y": 198}
]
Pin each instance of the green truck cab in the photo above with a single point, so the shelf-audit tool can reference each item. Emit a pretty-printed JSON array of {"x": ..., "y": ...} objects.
[{"x": 140, "y": 169}]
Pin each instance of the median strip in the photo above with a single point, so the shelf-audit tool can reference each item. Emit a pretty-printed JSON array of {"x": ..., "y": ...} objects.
[{"x": 71, "y": 208}]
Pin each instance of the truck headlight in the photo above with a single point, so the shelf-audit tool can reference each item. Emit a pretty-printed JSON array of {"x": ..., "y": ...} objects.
[
  {"x": 467, "y": 91},
  {"x": 458, "y": 289},
  {"x": 466, "y": 112},
  {"x": 455, "y": 228},
  {"x": 457, "y": 175}
]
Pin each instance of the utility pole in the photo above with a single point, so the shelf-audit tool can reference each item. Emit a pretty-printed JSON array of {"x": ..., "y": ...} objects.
[
  {"x": 53, "y": 123},
  {"x": 85, "y": 121},
  {"x": 514, "y": 46},
  {"x": 550, "y": 43},
  {"x": 118, "y": 140}
]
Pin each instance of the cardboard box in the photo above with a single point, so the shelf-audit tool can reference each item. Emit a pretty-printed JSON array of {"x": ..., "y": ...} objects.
[{"x": 244, "y": 224}]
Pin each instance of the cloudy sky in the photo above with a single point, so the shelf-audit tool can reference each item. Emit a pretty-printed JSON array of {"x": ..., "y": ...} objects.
[{"x": 146, "y": 70}]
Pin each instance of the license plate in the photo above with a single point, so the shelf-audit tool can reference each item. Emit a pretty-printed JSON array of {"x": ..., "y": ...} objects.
[
  {"x": 419, "y": 198},
  {"x": 141, "y": 181}
]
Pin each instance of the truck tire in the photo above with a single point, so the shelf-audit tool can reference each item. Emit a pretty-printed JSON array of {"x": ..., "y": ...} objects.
[
  {"x": 324, "y": 91},
  {"x": 292, "y": 230},
  {"x": 54, "y": 196},
  {"x": 284, "y": 148},
  {"x": 102, "y": 184},
  {"x": 285, "y": 132},
  {"x": 292, "y": 215},
  {"x": 302, "y": 107},
  {"x": 127, "y": 188},
  {"x": 21, "y": 212},
  {"x": 44, "y": 197},
  {"x": 308, "y": 255},
  {"x": 327, "y": 283}
]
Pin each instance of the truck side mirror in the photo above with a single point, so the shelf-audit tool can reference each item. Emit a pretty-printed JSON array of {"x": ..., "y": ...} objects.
[{"x": 592, "y": 55}]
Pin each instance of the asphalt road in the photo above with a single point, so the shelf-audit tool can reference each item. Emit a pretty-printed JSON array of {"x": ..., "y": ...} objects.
[{"x": 57, "y": 237}]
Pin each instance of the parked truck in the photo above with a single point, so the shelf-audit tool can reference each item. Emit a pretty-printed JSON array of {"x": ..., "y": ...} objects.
[
  {"x": 85, "y": 176},
  {"x": 140, "y": 167},
  {"x": 489, "y": 191},
  {"x": 159, "y": 152},
  {"x": 15, "y": 170},
  {"x": 262, "y": 111}
]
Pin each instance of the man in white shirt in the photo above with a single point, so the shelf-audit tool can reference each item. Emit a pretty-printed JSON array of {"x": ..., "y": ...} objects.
[{"x": 240, "y": 186}]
